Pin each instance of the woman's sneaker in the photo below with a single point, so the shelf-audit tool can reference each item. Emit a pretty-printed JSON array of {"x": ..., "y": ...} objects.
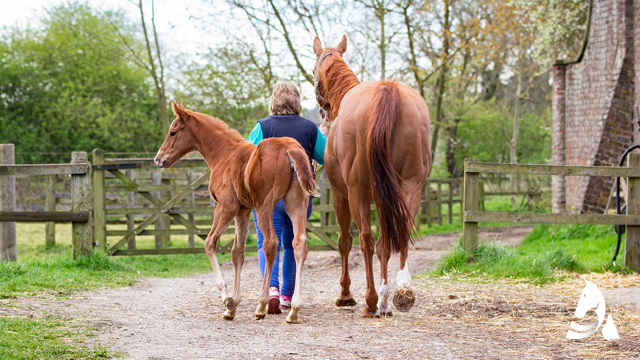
[
  {"x": 285, "y": 303},
  {"x": 274, "y": 301}
]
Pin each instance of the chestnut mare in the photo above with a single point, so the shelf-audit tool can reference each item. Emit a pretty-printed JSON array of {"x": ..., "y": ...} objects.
[
  {"x": 246, "y": 176},
  {"x": 377, "y": 149}
]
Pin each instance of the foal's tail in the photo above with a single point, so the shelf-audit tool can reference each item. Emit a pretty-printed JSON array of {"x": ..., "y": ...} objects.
[
  {"x": 396, "y": 221},
  {"x": 300, "y": 164}
]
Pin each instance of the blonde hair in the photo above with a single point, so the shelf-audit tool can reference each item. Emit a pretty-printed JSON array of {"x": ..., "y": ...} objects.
[{"x": 285, "y": 100}]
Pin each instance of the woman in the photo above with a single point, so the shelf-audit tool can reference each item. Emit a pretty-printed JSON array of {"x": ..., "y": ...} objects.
[{"x": 285, "y": 120}]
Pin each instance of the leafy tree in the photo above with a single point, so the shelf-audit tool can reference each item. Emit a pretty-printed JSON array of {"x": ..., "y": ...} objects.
[
  {"x": 232, "y": 85},
  {"x": 72, "y": 86}
]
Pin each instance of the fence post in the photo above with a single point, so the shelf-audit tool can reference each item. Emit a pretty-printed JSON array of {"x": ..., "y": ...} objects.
[
  {"x": 8, "y": 250},
  {"x": 427, "y": 206},
  {"x": 439, "y": 202},
  {"x": 481, "y": 193},
  {"x": 156, "y": 176},
  {"x": 99, "y": 216},
  {"x": 131, "y": 203},
  {"x": 471, "y": 201},
  {"x": 450, "y": 201},
  {"x": 461, "y": 191},
  {"x": 81, "y": 196},
  {"x": 191, "y": 177},
  {"x": 50, "y": 205},
  {"x": 632, "y": 247}
]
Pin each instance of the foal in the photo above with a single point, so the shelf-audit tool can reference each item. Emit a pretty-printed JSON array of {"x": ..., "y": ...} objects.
[{"x": 244, "y": 177}]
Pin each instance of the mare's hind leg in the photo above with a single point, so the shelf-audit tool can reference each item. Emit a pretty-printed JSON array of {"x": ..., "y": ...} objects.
[
  {"x": 361, "y": 211},
  {"x": 345, "y": 242},
  {"x": 237, "y": 257},
  {"x": 296, "y": 204},
  {"x": 221, "y": 219},
  {"x": 383, "y": 291},
  {"x": 270, "y": 247},
  {"x": 404, "y": 297}
]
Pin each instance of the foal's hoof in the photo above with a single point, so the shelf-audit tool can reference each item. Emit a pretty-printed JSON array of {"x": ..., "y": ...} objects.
[
  {"x": 260, "y": 316},
  {"x": 274, "y": 306},
  {"x": 386, "y": 312},
  {"x": 371, "y": 313},
  {"x": 345, "y": 302},
  {"x": 403, "y": 299}
]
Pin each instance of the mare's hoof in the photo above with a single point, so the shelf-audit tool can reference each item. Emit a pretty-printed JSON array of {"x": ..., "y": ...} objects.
[
  {"x": 229, "y": 314},
  {"x": 260, "y": 316},
  {"x": 229, "y": 303},
  {"x": 371, "y": 313},
  {"x": 386, "y": 313},
  {"x": 345, "y": 302},
  {"x": 403, "y": 299}
]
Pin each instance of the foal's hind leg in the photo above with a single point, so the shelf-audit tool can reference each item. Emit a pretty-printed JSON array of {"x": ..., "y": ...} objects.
[
  {"x": 345, "y": 242},
  {"x": 270, "y": 247},
  {"x": 296, "y": 204},
  {"x": 237, "y": 257}
]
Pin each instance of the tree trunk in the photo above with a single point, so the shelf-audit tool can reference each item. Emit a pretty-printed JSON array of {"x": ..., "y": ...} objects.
[
  {"x": 452, "y": 143},
  {"x": 442, "y": 78},
  {"x": 514, "y": 140}
]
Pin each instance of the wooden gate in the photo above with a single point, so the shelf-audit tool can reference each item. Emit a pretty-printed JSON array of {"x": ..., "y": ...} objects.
[
  {"x": 134, "y": 199},
  {"x": 473, "y": 214}
]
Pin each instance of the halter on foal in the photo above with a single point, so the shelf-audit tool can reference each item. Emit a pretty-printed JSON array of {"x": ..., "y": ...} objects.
[
  {"x": 245, "y": 176},
  {"x": 377, "y": 149}
]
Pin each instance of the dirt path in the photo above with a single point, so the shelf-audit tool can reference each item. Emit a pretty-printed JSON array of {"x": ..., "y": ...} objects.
[{"x": 182, "y": 318}]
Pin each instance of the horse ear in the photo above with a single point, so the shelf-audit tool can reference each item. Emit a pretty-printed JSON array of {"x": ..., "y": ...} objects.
[
  {"x": 317, "y": 46},
  {"x": 179, "y": 110},
  {"x": 342, "y": 47}
]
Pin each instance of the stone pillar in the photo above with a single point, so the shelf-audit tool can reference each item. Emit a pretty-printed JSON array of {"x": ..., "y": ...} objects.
[
  {"x": 558, "y": 153},
  {"x": 636, "y": 57}
]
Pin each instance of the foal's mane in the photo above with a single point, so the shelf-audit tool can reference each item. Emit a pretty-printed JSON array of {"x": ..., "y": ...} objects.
[
  {"x": 342, "y": 80},
  {"x": 218, "y": 124}
]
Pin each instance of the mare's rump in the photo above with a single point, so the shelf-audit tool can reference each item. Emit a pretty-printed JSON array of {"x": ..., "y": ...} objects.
[{"x": 396, "y": 219}]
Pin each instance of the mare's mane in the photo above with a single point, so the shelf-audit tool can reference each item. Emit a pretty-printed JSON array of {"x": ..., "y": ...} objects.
[{"x": 342, "y": 80}]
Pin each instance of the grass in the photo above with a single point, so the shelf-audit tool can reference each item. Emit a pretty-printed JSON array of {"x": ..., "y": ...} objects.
[
  {"x": 47, "y": 338},
  {"x": 549, "y": 253},
  {"x": 39, "y": 269},
  {"x": 492, "y": 203}
]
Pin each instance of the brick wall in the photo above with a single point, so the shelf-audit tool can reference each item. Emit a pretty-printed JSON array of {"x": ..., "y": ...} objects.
[
  {"x": 636, "y": 52},
  {"x": 592, "y": 117}
]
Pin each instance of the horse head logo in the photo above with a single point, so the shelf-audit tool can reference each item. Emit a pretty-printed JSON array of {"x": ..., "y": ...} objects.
[{"x": 591, "y": 298}]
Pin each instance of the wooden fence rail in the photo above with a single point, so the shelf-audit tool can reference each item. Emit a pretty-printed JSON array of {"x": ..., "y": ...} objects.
[
  {"x": 473, "y": 215},
  {"x": 81, "y": 192}
]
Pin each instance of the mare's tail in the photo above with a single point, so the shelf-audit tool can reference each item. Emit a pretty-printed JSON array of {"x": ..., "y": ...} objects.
[
  {"x": 396, "y": 221},
  {"x": 300, "y": 164}
]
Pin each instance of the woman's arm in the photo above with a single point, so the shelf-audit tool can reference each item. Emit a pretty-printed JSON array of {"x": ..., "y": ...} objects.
[
  {"x": 256, "y": 135},
  {"x": 318, "y": 149}
]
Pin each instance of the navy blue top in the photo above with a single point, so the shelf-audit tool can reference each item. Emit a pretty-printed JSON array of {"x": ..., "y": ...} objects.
[{"x": 294, "y": 126}]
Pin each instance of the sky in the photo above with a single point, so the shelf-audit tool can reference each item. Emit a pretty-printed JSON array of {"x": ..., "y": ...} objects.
[
  {"x": 177, "y": 28},
  {"x": 173, "y": 21}
]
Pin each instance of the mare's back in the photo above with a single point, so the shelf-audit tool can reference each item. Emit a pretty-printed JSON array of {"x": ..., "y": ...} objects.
[{"x": 409, "y": 149}]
